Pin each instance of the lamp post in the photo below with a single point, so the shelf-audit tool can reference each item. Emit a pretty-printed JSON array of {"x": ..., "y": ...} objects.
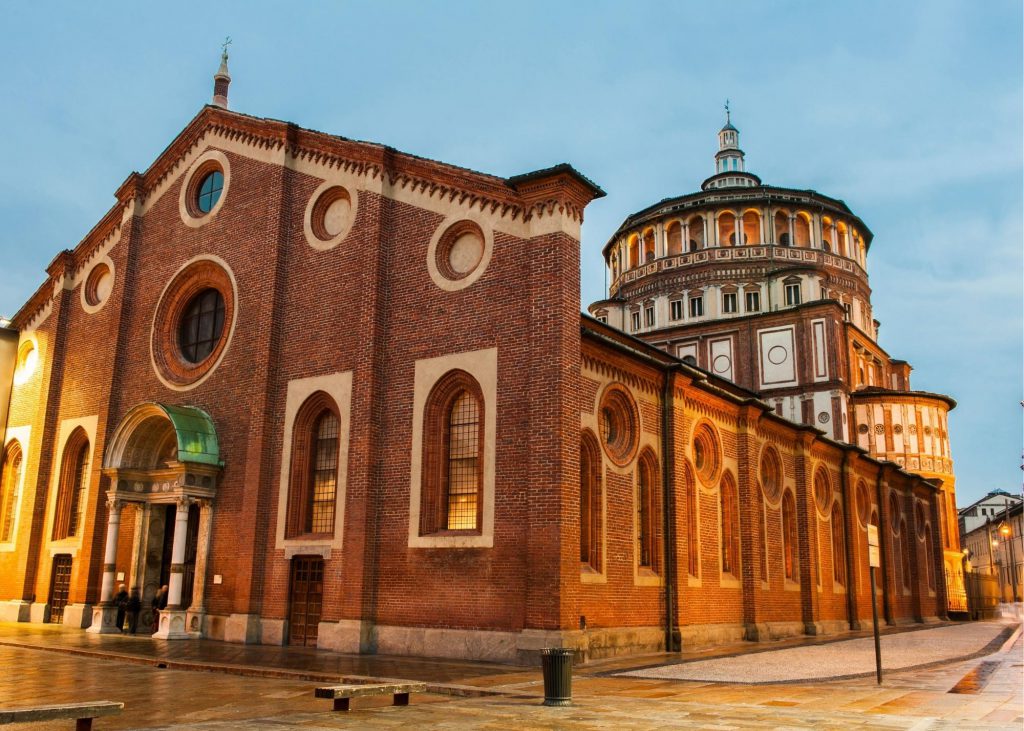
[{"x": 1007, "y": 533}]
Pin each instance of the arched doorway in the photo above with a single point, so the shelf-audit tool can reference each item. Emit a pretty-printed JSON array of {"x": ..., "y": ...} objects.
[{"x": 166, "y": 460}]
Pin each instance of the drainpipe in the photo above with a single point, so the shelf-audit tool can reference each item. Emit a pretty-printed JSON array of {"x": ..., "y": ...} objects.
[
  {"x": 848, "y": 518},
  {"x": 668, "y": 503}
]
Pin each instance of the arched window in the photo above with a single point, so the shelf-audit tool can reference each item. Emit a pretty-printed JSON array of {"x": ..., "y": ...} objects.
[
  {"x": 590, "y": 502},
  {"x": 74, "y": 478},
  {"x": 313, "y": 479},
  {"x": 730, "y": 527},
  {"x": 649, "y": 246},
  {"x": 752, "y": 227},
  {"x": 726, "y": 229},
  {"x": 802, "y": 230},
  {"x": 789, "y": 548},
  {"x": 929, "y": 568},
  {"x": 674, "y": 236},
  {"x": 781, "y": 223},
  {"x": 838, "y": 548},
  {"x": 696, "y": 228},
  {"x": 10, "y": 485},
  {"x": 453, "y": 442},
  {"x": 633, "y": 251},
  {"x": 646, "y": 512},
  {"x": 906, "y": 543},
  {"x": 692, "y": 535}
]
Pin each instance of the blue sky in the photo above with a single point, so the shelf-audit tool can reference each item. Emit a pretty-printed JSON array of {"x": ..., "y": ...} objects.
[{"x": 911, "y": 112}]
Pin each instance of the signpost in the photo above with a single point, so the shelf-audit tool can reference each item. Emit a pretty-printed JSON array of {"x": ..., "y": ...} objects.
[{"x": 874, "y": 561}]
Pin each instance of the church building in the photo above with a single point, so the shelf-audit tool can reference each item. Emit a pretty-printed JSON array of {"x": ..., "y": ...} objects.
[{"x": 336, "y": 395}]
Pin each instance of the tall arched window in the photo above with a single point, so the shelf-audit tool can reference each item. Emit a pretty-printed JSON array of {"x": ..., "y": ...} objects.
[
  {"x": 10, "y": 485},
  {"x": 838, "y": 548},
  {"x": 906, "y": 545},
  {"x": 647, "y": 512},
  {"x": 751, "y": 227},
  {"x": 692, "y": 535},
  {"x": 453, "y": 442},
  {"x": 730, "y": 527},
  {"x": 649, "y": 252},
  {"x": 71, "y": 488},
  {"x": 727, "y": 230},
  {"x": 781, "y": 224},
  {"x": 674, "y": 238},
  {"x": 929, "y": 557},
  {"x": 633, "y": 251},
  {"x": 696, "y": 228},
  {"x": 802, "y": 230},
  {"x": 789, "y": 549},
  {"x": 313, "y": 479},
  {"x": 590, "y": 501}
]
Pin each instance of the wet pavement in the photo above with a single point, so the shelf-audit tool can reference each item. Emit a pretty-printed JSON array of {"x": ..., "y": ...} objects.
[{"x": 75, "y": 667}]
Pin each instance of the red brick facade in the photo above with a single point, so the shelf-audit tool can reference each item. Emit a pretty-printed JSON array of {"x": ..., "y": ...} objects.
[{"x": 369, "y": 313}]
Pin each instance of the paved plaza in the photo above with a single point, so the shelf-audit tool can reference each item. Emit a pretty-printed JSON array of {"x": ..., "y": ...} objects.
[{"x": 209, "y": 685}]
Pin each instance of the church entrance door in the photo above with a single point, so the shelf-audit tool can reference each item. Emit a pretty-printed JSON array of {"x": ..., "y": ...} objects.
[
  {"x": 306, "y": 598},
  {"x": 60, "y": 584}
]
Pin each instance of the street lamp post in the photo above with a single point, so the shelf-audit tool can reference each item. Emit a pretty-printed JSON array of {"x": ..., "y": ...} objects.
[{"x": 1007, "y": 533}]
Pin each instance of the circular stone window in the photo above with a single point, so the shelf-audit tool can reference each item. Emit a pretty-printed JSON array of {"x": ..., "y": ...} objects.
[
  {"x": 459, "y": 254},
  {"x": 823, "y": 492},
  {"x": 706, "y": 458},
  {"x": 204, "y": 188},
  {"x": 771, "y": 474},
  {"x": 329, "y": 216},
  {"x": 863, "y": 503},
  {"x": 620, "y": 433},
  {"x": 193, "y": 323},
  {"x": 98, "y": 285}
]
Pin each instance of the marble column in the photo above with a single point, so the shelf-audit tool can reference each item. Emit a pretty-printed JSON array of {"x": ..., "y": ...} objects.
[
  {"x": 198, "y": 608},
  {"x": 172, "y": 619},
  {"x": 104, "y": 615}
]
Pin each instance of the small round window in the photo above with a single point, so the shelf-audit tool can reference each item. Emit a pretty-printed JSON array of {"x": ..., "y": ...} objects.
[
  {"x": 202, "y": 325},
  {"x": 706, "y": 457},
  {"x": 619, "y": 423},
  {"x": 209, "y": 190}
]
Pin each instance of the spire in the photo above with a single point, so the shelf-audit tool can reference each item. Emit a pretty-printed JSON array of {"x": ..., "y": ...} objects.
[
  {"x": 222, "y": 78},
  {"x": 730, "y": 167}
]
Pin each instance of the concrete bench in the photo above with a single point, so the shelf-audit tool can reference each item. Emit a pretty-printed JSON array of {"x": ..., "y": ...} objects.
[
  {"x": 342, "y": 694},
  {"x": 83, "y": 713}
]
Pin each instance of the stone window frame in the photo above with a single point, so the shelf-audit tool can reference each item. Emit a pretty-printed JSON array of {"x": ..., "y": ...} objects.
[
  {"x": 648, "y": 474},
  {"x": 68, "y": 427},
  {"x": 705, "y": 434},
  {"x": 72, "y": 486},
  {"x": 16, "y": 438},
  {"x": 693, "y": 542},
  {"x": 824, "y": 493},
  {"x": 302, "y": 456},
  {"x": 618, "y": 404},
  {"x": 729, "y": 554},
  {"x": 790, "y": 539},
  {"x": 482, "y": 366},
  {"x": 435, "y": 503},
  {"x": 338, "y": 388},
  {"x": 592, "y": 510},
  {"x": 91, "y": 303},
  {"x": 312, "y": 222},
  {"x": 838, "y": 530},
  {"x": 210, "y": 161},
  {"x": 445, "y": 234},
  {"x": 202, "y": 272}
]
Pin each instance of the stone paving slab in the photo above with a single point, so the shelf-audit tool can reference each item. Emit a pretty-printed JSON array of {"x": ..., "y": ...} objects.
[{"x": 842, "y": 659}]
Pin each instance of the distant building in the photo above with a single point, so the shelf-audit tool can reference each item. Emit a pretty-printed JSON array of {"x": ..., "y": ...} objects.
[
  {"x": 768, "y": 287},
  {"x": 991, "y": 533}
]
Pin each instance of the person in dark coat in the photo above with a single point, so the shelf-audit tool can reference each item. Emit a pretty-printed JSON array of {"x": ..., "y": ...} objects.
[
  {"x": 121, "y": 602},
  {"x": 132, "y": 609},
  {"x": 159, "y": 602}
]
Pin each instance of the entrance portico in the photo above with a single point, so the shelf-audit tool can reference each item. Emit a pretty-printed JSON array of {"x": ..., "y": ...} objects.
[{"x": 161, "y": 457}]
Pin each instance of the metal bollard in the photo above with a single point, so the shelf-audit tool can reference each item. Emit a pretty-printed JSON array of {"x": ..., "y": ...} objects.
[{"x": 556, "y": 663}]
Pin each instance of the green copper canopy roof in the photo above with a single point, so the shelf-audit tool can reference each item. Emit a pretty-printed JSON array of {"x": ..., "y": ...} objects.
[{"x": 197, "y": 437}]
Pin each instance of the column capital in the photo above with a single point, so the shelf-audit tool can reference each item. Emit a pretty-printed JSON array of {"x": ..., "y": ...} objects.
[
  {"x": 114, "y": 504},
  {"x": 185, "y": 502}
]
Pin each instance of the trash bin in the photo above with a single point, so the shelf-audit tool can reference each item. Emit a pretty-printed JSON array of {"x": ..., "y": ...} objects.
[{"x": 556, "y": 663}]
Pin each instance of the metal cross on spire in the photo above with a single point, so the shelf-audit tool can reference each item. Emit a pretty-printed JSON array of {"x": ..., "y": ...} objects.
[
  {"x": 224, "y": 47},
  {"x": 727, "y": 111}
]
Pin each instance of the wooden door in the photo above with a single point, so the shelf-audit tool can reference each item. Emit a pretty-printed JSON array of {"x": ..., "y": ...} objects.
[
  {"x": 306, "y": 596},
  {"x": 60, "y": 584}
]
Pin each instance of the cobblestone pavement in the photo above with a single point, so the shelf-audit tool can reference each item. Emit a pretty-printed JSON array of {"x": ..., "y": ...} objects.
[{"x": 990, "y": 696}]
